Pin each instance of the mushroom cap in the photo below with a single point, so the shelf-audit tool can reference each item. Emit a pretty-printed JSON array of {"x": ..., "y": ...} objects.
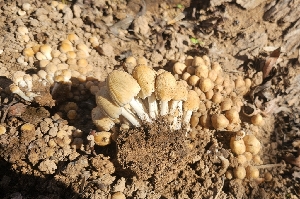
[
  {"x": 165, "y": 86},
  {"x": 122, "y": 87},
  {"x": 192, "y": 102},
  {"x": 181, "y": 91},
  {"x": 101, "y": 121},
  {"x": 145, "y": 77},
  {"x": 45, "y": 49},
  {"x": 104, "y": 101}
]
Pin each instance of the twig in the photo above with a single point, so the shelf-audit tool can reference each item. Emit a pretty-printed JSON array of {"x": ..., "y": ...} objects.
[
  {"x": 7, "y": 109},
  {"x": 266, "y": 166},
  {"x": 217, "y": 196}
]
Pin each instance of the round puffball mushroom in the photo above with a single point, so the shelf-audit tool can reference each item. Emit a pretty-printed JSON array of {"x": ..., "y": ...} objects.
[
  {"x": 206, "y": 84},
  {"x": 252, "y": 172},
  {"x": 257, "y": 120},
  {"x": 268, "y": 176},
  {"x": 252, "y": 144},
  {"x": 102, "y": 138},
  {"x": 239, "y": 172},
  {"x": 237, "y": 146},
  {"x": 202, "y": 71},
  {"x": 219, "y": 121},
  {"x": 165, "y": 88},
  {"x": 233, "y": 116},
  {"x": 226, "y": 104},
  {"x": 179, "y": 68}
]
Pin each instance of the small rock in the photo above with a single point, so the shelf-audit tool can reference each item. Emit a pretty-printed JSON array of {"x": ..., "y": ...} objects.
[
  {"x": 76, "y": 10},
  {"x": 249, "y": 4},
  {"x": 48, "y": 166}
]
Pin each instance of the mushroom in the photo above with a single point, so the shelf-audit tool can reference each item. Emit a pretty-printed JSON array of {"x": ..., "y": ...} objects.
[
  {"x": 165, "y": 86},
  {"x": 46, "y": 50},
  {"x": 101, "y": 121},
  {"x": 145, "y": 77},
  {"x": 190, "y": 105},
  {"x": 176, "y": 104},
  {"x": 15, "y": 89},
  {"x": 84, "y": 48},
  {"x": 122, "y": 89},
  {"x": 113, "y": 111},
  {"x": 28, "y": 79},
  {"x": 179, "y": 68},
  {"x": 102, "y": 138}
]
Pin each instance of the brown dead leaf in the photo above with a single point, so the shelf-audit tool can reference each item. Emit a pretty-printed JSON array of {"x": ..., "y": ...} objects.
[{"x": 270, "y": 62}]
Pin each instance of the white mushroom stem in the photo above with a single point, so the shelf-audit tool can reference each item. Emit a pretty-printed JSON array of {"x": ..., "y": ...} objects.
[
  {"x": 28, "y": 79},
  {"x": 153, "y": 112},
  {"x": 31, "y": 95},
  {"x": 15, "y": 89},
  {"x": 187, "y": 117},
  {"x": 137, "y": 107},
  {"x": 133, "y": 120},
  {"x": 177, "y": 115},
  {"x": 174, "y": 106},
  {"x": 164, "y": 107}
]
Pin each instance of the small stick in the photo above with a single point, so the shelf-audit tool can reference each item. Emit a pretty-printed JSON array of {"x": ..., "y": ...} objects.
[
  {"x": 217, "y": 196},
  {"x": 266, "y": 166}
]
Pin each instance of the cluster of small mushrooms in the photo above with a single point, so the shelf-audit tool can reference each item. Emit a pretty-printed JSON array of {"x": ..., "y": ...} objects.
[
  {"x": 58, "y": 64},
  {"x": 199, "y": 95}
]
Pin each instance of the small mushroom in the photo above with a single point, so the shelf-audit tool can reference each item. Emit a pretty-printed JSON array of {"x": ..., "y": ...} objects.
[
  {"x": 46, "y": 50},
  {"x": 104, "y": 101},
  {"x": 176, "y": 104},
  {"x": 190, "y": 105},
  {"x": 101, "y": 121},
  {"x": 122, "y": 89},
  {"x": 15, "y": 89},
  {"x": 145, "y": 77},
  {"x": 165, "y": 88},
  {"x": 102, "y": 138}
]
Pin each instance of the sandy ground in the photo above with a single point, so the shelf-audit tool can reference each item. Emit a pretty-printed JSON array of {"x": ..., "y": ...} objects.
[{"x": 47, "y": 136}]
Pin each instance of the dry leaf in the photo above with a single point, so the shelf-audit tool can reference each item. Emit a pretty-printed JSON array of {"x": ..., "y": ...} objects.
[{"x": 270, "y": 61}]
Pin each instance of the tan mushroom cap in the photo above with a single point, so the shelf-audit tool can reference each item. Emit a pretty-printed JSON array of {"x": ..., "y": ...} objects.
[
  {"x": 122, "y": 87},
  {"x": 101, "y": 121},
  {"x": 181, "y": 91},
  {"x": 145, "y": 77},
  {"x": 165, "y": 86},
  {"x": 104, "y": 101},
  {"x": 192, "y": 102},
  {"x": 102, "y": 138}
]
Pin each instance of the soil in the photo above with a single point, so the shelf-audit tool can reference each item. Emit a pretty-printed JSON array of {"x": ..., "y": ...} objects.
[{"x": 46, "y": 152}]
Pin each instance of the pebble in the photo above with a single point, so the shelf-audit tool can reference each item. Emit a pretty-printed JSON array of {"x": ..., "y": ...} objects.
[
  {"x": 21, "y": 13},
  {"x": 26, "y": 6},
  {"x": 77, "y": 10}
]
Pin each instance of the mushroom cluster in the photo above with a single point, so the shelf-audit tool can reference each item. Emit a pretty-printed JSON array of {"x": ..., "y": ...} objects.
[
  {"x": 199, "y": 93},
  {"x": 220, "y": 93},
  {"x": 143, "y": 96},
  {"x": 246, "y": 149},
  {"x": 199, "y": 96},
  {"x": 57, "y": 64}
]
